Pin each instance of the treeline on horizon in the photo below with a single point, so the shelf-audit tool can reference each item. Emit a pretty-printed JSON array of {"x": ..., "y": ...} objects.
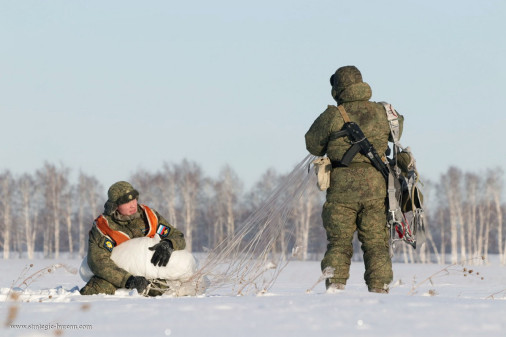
[{"x": 47, "y": 213}]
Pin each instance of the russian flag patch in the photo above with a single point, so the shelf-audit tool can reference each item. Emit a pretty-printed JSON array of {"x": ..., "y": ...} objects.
[{"x": 163, "y": 231}]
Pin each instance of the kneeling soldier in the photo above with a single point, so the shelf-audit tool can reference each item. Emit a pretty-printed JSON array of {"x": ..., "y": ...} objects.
[{"x": 125, "y": 219}]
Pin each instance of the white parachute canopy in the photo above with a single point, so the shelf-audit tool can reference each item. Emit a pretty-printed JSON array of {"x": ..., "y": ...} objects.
[{"x": 135, "y": 257}]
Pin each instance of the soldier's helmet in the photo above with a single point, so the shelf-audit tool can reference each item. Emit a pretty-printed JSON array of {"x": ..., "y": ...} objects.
[
  {"x": 343, "y": 78},
  {"x": 119, "y": 193}
]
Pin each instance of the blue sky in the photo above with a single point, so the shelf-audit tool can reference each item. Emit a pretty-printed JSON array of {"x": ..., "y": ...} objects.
[{"x": 109, "y": 87}]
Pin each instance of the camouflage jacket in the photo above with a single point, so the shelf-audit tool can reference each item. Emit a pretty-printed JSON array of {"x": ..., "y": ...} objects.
[
  {"x": 100, "y": 246},
  {"x": 359, "y": 181}
]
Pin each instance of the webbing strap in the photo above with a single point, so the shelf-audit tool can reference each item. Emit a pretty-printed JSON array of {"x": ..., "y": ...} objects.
[
  {"x": 392, "y": 200},
  {"x": 393, "y": 122},
  {"x": 344, "y": 114}
]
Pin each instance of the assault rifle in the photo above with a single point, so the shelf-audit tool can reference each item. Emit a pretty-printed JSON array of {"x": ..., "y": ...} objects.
[{"x": 360, "y": 144}]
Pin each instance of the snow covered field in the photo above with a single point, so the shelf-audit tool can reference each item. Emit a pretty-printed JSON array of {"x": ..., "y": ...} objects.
[{"x": 458, "y": 303}]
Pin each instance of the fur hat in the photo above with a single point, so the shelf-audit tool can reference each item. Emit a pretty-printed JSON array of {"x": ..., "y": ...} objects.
[
  {"x": 343, "y": 78},
  {"x": 119, "y": 193}
]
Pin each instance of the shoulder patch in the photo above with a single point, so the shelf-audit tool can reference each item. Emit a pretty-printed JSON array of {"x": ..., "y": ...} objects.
[
  {"x": 108, "y": 244},
  {"x": 163, "y": 231}
]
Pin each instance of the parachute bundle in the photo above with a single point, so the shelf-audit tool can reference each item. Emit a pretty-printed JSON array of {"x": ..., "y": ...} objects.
[{"x": 405, "y": 208}]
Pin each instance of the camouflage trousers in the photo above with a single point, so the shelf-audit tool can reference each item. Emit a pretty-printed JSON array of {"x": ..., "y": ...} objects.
[
  {"x": 341, "y": 220},
  {"x": 97, "y": 285}
]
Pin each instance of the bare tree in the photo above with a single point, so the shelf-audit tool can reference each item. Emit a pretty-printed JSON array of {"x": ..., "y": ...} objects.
[
  {"x": 6, "y": 188},
  {"x": 494, "y": 188},
  {"x": 442, "y": 234},
  {"x": 216, "y": 218},
  {"x": 471, "y": 210},
  {"x": 484, "y": 223},
  {"x": 189, "y": 178},
  {"x": 228, "y": 189},
  {"x": 303, "y": 212},
  {"x": 452, "y": 188},
  {"x": 167, "y": 181},
  {"x": 88, "y": 197},
  {"x": 441, "y": 215},
  {"x": 67, "y": 212},
  {"x": 223, "y": 210},
  {"x": 143, "y": 181},
  {"x": 262, "y": 189},
  {"x": 54, "y": 182},
  {"x": 81, "y": 204},
  {"x": 472, "y": 182},
  {"x": 258, "y": 197},
  {"x": 27, "y": 191}
]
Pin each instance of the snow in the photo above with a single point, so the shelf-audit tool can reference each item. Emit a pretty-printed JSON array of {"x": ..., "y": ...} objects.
[{"x": 424, "y": 300}]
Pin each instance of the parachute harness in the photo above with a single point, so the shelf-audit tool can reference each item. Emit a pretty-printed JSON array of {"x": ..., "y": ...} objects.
[{"x": 406, "y": 224}]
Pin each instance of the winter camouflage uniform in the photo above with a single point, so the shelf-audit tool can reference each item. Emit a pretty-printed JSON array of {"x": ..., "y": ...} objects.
[
  {"x": 357, "y": 194},
  {"x": 108, "y": 276}
]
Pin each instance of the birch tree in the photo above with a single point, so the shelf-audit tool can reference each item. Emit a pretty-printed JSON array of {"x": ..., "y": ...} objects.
[
  {"x": 257, "y": 197},
  {"x": 451, "y": 182},
  {"x": 27, "y": 194},
  {"x": 189, "y": 178},
  {"x": 167, "y": 180},
  {"x": 143, "y": 181},
  {"x": 216, "y": 218},
  {"x": 67, "y": 212},
  {"x": 6, "y": 188},
  {"x": 228, "y": 189},
  {"x": 494, "y": 189},
  {"x": 54, "y": 182},
  {"x": 303, "y": 213},
  {"x": 472, "y": 182},
  {"x": 483, "y": 222},
  {"x": 89, "y": 192}
]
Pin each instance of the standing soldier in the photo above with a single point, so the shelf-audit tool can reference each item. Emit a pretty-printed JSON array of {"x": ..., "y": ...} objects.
[
  {"x": 356, "y": 198},
  {"x": 125, "y": 219}
]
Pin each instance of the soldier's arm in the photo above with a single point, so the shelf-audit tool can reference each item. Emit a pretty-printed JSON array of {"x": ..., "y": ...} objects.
[
  {"x": 99, "y": 260},
  {"x": 175, "y": 235},
  {"x": 317, "y": 137}
]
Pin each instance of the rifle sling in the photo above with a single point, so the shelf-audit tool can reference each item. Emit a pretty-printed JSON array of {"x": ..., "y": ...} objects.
[{"x": 344, "y": 113}]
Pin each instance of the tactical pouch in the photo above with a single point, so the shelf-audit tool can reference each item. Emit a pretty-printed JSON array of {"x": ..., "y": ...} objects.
[
  {"x": 405, "y": 160},
  {"x": 322, "y": 168},
  {"x": 411, "y": 200}
]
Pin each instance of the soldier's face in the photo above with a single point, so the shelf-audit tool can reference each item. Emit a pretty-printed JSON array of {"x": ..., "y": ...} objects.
[{"x": 129, "y": 208}]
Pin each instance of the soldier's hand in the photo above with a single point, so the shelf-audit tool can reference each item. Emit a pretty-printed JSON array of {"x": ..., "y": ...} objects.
[
  {"x": 137, "y": 282},
  {"x": 162, "y": 253}
]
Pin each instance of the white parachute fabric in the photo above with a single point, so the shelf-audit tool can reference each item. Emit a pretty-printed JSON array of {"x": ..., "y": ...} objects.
[
  {"x": 85, "y": 271},
  {"x": 249, "y": 260},
  {"x": 134, "y": 256}
]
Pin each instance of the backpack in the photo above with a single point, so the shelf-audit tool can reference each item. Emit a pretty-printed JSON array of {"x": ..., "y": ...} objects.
[{"x": 405, "y": 199}]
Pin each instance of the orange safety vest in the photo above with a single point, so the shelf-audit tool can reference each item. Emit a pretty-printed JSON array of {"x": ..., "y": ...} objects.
[{"x": 118, "y": 236}]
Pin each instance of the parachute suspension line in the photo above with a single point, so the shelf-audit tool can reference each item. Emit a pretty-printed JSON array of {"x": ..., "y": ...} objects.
[{"x": 246, "y": 261}]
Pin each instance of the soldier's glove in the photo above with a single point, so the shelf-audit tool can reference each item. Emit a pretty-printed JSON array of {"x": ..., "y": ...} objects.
[
  {"x": 161, "y": 256},
  {"x": 137, "y": 282}
]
